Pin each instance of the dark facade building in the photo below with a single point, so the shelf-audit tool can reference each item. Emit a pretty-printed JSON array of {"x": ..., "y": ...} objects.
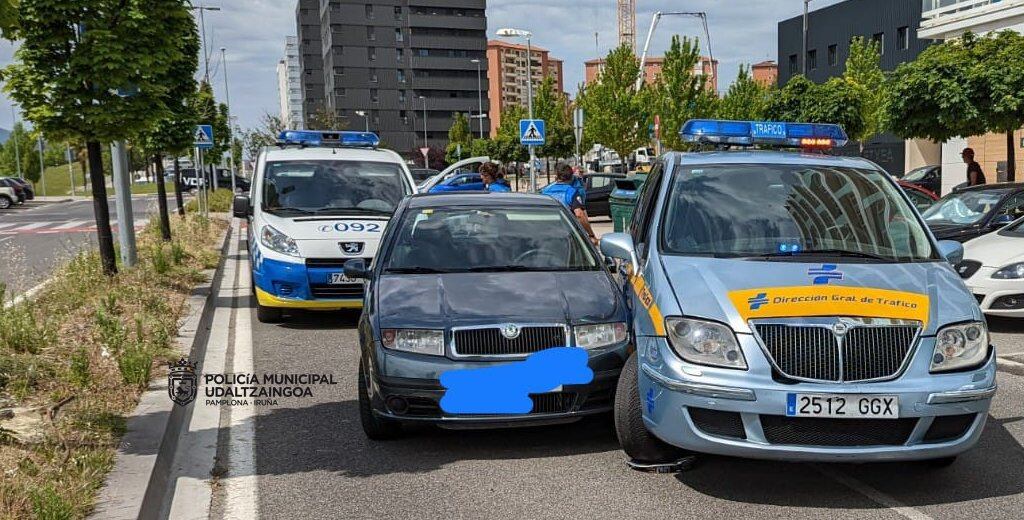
[
  {"x": 389, "y": 58},
  {"x": 891, "y": 23}
]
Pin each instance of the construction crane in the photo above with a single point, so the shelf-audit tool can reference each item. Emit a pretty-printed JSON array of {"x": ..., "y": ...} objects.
[
  {"x": 627, "y": 23},
  {"x": 650, "y": 33}
]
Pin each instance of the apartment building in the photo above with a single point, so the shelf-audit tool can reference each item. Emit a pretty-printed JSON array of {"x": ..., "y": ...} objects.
[
  {"x": 508, "y": 76},
  {"x": 652, "y": 69},
  {"x": 289, "y": 85}
]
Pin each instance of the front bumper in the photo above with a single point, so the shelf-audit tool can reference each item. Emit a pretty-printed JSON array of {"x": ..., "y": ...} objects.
[
  {"x": 294, "y": 285},
  {"x": 406, "y": 387},
  {"x": 742, "y": 413},
  {"x": 992, "y": 293}
]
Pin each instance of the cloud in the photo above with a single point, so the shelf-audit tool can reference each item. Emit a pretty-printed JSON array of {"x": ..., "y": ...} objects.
[{"x": 253, "y": 31}]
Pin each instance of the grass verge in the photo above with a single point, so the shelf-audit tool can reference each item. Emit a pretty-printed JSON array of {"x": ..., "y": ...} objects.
[
  {"x": 220, "y": 202},
  {"x": 74, "y": 361}
]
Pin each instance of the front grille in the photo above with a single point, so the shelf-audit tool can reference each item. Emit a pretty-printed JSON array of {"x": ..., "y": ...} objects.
[
  {"x": 491, "y": 342},
  {"x": 555, "y": 402},
  {"x": 865, "y": 352},
  {"x": 718, "y": 423},
  {"x": 836, "y": 432},
  {"x": 948, "y": 428},
  {"x": 967, "y": 268},
  {"x": 337, "y": 263},
  {"x": 334, "y": 292}
]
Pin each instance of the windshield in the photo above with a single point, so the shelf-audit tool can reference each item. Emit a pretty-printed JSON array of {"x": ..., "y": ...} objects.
[
  {"x": 964, "y": 208},
  {"x": 325, "y": 186},
  {"x": 751, "y": 210},
  {"x": 488, "y": 240},
  {"x": 918, "y": 174}
]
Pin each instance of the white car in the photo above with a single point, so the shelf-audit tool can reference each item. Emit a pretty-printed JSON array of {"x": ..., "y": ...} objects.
[
  {"x": 993, "y": 269},
  {"x": 473, "y": 163},
  {"x": 7, "y": 197}
]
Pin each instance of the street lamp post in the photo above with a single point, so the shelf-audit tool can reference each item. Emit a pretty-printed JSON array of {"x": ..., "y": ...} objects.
[
  {"x": 202, "y": 25},
  {"x": 803, "y": 60},
  {"x": 479, "y": 97},
  {"x": 519, "y": 33},
  {"x": 425, "y": 144},
  {"x": 227, "y": 102},
  {"x": 14, "y": 133},
  {"x": 366, "y": 117}
]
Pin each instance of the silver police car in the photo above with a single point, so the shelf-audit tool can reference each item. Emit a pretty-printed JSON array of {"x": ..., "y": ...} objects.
[{"x": 793, "y": 305}]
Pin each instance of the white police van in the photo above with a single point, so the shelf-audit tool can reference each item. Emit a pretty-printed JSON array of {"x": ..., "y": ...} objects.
[{"x": 318, "y": 199}]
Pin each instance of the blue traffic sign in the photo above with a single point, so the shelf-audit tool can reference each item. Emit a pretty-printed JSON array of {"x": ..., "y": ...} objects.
[
  {"x": 203, "y": 137},
  {"x": 531, "y": 132}
]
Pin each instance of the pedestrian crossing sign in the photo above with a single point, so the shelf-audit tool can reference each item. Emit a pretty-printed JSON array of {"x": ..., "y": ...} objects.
[
  {"x": 203, "y": 137},
  {"x": 531, "y": 132}
]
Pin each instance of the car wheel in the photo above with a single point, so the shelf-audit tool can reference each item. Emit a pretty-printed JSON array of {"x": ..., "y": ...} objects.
[
  {"x": 268, "y": 314},
  {"x": 944, "y": 462},
  {"x": 5, "y": 202},
  {"x": 375, "y": 428},
  {"x": 638, "y": 443}
]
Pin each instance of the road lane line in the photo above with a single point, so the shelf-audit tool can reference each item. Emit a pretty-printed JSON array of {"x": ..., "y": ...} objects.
[
  {"x": 34, "y": 225},
  {"x": 71, "y": 224},
  {"x": 240, "y": 483},
  {"x": 873, "y": 494},
  {"x": 9, "y": 224}
]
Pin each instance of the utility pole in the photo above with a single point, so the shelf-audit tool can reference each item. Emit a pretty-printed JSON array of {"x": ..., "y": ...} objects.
[
  {"x": 123, "y": 203},
  {"x": 803, "y": 58},
  {"x": 227, "y": 103},
  {"x": 425, "y": 144},
  {"x": 14, "y": 130},
  {"x": 202, "y": 28},
  {"x": 71, "y": 170},
  {"x": 479, "y": 97},
  {"x": 42, "y": 166}
]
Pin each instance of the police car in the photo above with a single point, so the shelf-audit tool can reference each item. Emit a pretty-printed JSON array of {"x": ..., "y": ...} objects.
[
  {"x": 793, "y": 305},
  {"x": 317, "y": 200}
]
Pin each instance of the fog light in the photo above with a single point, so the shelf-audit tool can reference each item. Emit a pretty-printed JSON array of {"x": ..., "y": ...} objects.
[
  {"x": 1013, "y": 301},
  {"x": 397, "y": 405}
]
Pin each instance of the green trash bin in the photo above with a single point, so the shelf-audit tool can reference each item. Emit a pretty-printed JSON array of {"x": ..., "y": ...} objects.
[{"x": 622, "y": 201}]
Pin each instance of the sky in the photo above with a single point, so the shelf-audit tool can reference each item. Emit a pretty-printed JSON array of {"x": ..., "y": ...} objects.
[{"x": 253, "y": 32}]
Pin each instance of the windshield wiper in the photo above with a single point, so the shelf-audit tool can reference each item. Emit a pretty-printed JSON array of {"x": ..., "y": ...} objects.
[
  {"x": 841, "y": 253},
  {"x": 416, "y": 270},
  {"x": 512, "y": 269},
  {"x": 296, "y": 210},
  {"x": 365, "y": 211}
]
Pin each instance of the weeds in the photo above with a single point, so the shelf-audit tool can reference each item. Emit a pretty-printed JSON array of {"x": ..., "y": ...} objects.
[
  {"x": 20, "y": 331},
  {"x": 161, "y": 260}
]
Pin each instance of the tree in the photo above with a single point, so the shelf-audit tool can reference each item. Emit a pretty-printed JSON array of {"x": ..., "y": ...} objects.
[
  {"x": 9, "y": 19},
  {"x": 678, "y": 94},
  {"x": 864, "y": 73},
  {"x": 323, "y": 118},
  {"x": 616, "y": 113},
  {"x": 998, "y": 71},
  {"x": 435, "y": 157},
  {"x": 505, "y": 146},
  {"x": 480, "y": 147},
  {"x": 95, "y": 70},
  {"x": 459, "y": 138},
  {"x": 835, "y": 101},
  {"x": 20, "y": 153},
  {"x": 266, "y": 134},
  {"x": 746, "y": 99},
  {"x": 553, "y": 107}
]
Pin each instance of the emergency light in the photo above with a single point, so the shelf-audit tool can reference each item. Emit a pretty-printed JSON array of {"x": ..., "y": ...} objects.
[
  {"x": 749, "y": 133},
  {"x": 315, "y": 138}
]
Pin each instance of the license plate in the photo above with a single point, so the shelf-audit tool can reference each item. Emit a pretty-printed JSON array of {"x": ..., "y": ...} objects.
[
  {"x": 340, "y": 278},
  {"x": 843, "y": 406}
]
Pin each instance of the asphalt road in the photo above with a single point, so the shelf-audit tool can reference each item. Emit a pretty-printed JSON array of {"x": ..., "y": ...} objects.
[
  {"x": 37, "y": 236},
  {"x": 313, "y": 461}
]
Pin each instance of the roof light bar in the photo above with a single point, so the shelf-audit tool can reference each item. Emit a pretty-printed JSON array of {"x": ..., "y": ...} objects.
[
  {"x": 318, "y": 138},
  {"x": 749, "y": 133}
]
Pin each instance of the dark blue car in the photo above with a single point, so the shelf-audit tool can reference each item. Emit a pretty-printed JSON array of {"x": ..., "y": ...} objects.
[
  {"x": 460, "y": 182},
  {"x": 486, "y": 310}
]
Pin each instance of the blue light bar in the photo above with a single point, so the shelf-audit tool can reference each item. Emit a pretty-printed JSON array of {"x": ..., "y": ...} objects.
[
  {"x": 315, "y": 138},
  {"x": 749, "y": 133}
]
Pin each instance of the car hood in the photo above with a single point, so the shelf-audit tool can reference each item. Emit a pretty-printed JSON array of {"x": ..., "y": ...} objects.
[
  {"x": 460, "y": 299},
  {"x": 728, "y": 290},
  {"x": 995, "y": 250},
  {"x": 951, "y": 231},
  {"x": 328, "y": 227}
]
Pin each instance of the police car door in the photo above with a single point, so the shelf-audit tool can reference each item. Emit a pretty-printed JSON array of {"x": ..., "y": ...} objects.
[{"x": 644, "y": 241}]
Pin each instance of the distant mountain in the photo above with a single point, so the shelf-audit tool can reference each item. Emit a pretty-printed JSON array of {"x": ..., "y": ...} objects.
[{"x": 4, "y": 134}]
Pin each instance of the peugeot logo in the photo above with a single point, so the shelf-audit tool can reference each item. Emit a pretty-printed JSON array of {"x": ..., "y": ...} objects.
[
  {"x": 351, "y": 248},
  {"x": 510, "y": 331}
]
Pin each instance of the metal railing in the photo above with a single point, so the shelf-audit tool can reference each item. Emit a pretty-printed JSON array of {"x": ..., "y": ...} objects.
[{"x": 936, "y": 8}]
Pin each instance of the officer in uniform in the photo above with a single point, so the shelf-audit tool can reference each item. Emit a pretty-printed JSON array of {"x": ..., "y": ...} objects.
[
  {"x": 492, "y": 182},
  {"x": 563, "y": 190}
]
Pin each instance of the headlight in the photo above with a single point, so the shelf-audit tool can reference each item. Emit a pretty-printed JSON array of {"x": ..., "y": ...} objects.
[
  {"x": 960, "y": 346},
  {"x": 601, "y": 335},
  {"x": 705, "y": 343},
  {"x": 278, "y": 241},
  {"x": 1010, "y": 272},
  {"x": 417, "y": 341}
]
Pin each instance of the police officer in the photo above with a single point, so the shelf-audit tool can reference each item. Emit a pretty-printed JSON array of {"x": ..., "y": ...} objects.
[
  {"x": 492, "y": 180},
  {"x": 565, "y": 192}
]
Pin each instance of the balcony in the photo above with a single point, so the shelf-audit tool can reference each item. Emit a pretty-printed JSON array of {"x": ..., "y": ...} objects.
[{"x": 944, "y": 19}]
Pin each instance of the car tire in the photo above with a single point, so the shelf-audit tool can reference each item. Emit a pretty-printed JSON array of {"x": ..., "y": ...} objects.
[
  {"x": 375, "y": 428},
  {"x": 5, "y": 202},
  {"x": 268, "y": 314},
  {"x": 634, "y": 437}
]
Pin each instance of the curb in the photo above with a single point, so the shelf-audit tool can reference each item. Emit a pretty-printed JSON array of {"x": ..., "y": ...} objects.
[
  {"x": 135, "y": 487},
  {"x": 1012, "y": 367}
]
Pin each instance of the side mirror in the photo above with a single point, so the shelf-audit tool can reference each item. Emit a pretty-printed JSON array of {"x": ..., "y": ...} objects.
[
  {"x": 620, "y": 246},
  {"x": 241, "y": 207},
  {"x": 1001, "y": 221},
  {"x": 952, "y": 251},
  {"x": 356, "y": 269}
]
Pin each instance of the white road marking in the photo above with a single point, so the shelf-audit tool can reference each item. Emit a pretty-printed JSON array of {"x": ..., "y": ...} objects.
[
  {"x": 72, "y": 224},
  {"x": 34, "y": 225},
  {"x": 875, "y": 495},
  {"x": 7, "y": 225}
]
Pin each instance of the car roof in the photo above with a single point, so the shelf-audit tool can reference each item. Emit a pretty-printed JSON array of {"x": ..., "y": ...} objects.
[
  {"x": 296, "y": 153},
  {"x": 994, "y": 186},
  {"x": 480, "y": 198},
  {"x": 772, "y": 157}
]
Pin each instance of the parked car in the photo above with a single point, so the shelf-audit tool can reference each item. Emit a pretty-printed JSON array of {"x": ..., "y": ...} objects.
[
  {"x": 30, "y": 190},
  {"x": 921, "y": 197},
  {"x": 598, "y": 187},
  {"x": 466, "y": 165},
  {"x": 460, "y": 182},
  {"x": 422, "y": 174},
  {"x": 993, "y": 269},
  {"x": 975, "y": 211},
  {"x": 7, "y": 197},
  {"x": 927, "y": 177},
  {"x": 19, "y": 190},
  {"x": 469, "y": 298}
]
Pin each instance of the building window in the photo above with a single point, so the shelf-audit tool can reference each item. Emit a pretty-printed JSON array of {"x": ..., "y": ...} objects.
[
  {"x": 833, "y": 55},
  {"x": 792, "y": 63},
  {"x": 399, "y": 54},
  {"x": 374, "y": 95},
  {"x": 398, "y": 35},
  {"x": 371, "y": 53},
  {"x": 341, "y": 92},
  {"x": 401, "y": 96},
  {"x": 371, "y": 34},
  {"x": 423, "y": 52},
  {"x": 404, "y": 116},
  {"x": 376, "y": 119},
  {"x": 373, "y": 75},
  {"x": 903, "y": 38},
  {"x": 398, "y": 12},
  {"x": 812, "y": 59},
  {"x": 369, "y": 11},
  {"x": 879, "y": 40},
  {"x": 401, "y": 76}
]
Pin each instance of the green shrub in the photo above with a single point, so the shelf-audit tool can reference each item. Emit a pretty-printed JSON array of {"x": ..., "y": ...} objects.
[
  {"x": 48, "y": 504},
  {"x": 161, "y": 260},
  {"x": 220, "y": 202},
  {"x": 79, "y": 368},
  {"x": 19, "y": 330},
  {"x": 178, "y": 253},
  {"x": 134, "y": 363}
]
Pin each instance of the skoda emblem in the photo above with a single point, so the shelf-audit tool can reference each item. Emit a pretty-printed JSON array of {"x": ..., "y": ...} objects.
[
  {"x": 840, "y": 329},
  {"x": 510, "y": 331},
  {"x": 351, "y": 248}
]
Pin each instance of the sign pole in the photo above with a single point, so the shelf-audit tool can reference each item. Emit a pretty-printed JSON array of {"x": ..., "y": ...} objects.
[
  {"x": 71, "y": 170},
  {"x": 123, "y": 203}
]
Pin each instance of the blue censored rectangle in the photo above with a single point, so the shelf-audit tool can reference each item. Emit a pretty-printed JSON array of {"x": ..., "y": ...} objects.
[{"x": 791, "y": 405}]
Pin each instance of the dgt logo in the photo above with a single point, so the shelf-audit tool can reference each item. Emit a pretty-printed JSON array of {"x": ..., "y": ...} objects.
[
  {"x": 182, "y": 382},
  {"x": 825, "y": 274},
  {"x": 758, "y": 301}
]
